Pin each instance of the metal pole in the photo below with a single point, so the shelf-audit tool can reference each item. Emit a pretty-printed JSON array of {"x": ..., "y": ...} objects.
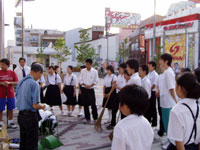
[
  {"x": 2, "y": 51},
  {"x": 22, "y": 28},
  {"x": 154, "y": 29},
  {"x": 107, "y": 48}
]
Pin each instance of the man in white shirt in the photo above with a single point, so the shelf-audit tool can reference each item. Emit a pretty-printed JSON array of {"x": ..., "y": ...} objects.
[
  {"x": 88, "y": 79},
  {"x": 153, "y": 77},
  {"x": 167, "y": 88},
  {"x": 132, "y": 68},
  {"x": 146, "y": 84},
  {"x": 22, "y": 70}
]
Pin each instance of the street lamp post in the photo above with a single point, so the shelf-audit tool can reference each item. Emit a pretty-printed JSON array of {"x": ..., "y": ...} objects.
[
  {"x": 2, "y": 29},
  {"x": 154, "y": 30},
  {"x": 22, "y": 28}
]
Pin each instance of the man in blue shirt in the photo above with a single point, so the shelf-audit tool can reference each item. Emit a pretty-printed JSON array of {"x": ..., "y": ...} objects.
[{"x": 28, "y": 102}]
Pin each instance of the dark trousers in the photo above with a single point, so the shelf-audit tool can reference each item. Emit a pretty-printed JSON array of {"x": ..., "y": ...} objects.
[
  {"x": 187, "y": 147},
  {"x": 89, "y": 100},
  {"x": 152, "y": 112},
  {"x": 162, "y": 129},
  {"x": 115, "y": 109},
  {"x": 28, "y": 122}
]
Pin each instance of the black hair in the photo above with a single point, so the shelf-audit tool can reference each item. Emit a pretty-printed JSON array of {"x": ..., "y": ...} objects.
[
  {"x": 89, "y": 61},
  {"x": 197, "y": 74},
  {"x": 33, "y": 63},
  {"x": 189, "y": 82},
  {"x": 83, "y": 67},
  {"x": 136, "y": 98},
  {"x": 52, "y": 67},
  {"x": 153, "y": 63},
  {"x": 5, "y": 61},
  {"x": 145, "y": 68},
  {"x": 22, "y": 58},
  {"x": 122, "y": 65},
  {"x": 126, "y": 72},
  {"x": 71, "y": 67},
  {"x": 133, "y": 64},
  {"x": 56, "y": 67},
  {"x": 110, "y": 67},
  {"x": 37, "y": 68},
  {"x": 185, "y": 70},
  {"x": 167, "y": 57}
]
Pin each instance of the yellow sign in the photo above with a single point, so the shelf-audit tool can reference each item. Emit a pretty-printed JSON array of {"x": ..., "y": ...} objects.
[{"x": 175, "y": 45}]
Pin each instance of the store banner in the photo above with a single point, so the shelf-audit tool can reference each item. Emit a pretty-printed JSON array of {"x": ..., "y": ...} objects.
[
  {"x": 175, "y": 45},
  {"x": 195, "y": 1},
  {"x": 122, "y": 19}
]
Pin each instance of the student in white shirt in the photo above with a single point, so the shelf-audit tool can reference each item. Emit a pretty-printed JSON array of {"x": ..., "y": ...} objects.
[
  {"x": 146, "y": 84},
  {"x": 120, "y": 83},
  {"x": 133, "y": 132},
  {"x": 167, "y": 88},
  {"x": 127, "y": 77},
  {"x": 132, "y": 68},
  {"x": 184, "y": 121},
  {"x": 70, "y": 82},
  {"x": 109, "y": 82},
  {"x": 22, "y": 70},
  {"x": 53, "y": 93},
  {"x": 88, "y": 79},
  {"x": 153, "y": 77}
]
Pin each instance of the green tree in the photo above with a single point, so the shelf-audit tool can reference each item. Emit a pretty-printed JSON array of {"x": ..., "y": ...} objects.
[
  {"x": 40, "y": 53},
  {"x": 156, "y": 58},
  {"x": 124, "y": 50},
  {"x": 85, "y": 51},
  {"x": 62, "y": 51}
]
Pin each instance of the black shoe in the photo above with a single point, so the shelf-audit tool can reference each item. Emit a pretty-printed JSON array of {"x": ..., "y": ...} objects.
[
  {"x": 160, "y": 133},
  {"x": 110, "y": 127}
]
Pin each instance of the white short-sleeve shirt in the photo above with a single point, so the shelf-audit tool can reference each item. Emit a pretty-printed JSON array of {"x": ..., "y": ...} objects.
[
  {"x": 153, "y": 77},
  {"x": 167, "y": 82},
  {"x": 135, "y": 79},
  {"x": 146, "y": 84},
  {"x": 181, "y": 122},
  {"x": 70, "y": 79},
  {"x": 133, "y": 133},
  {"x": 121, "y": 82},
  {"x": 41, "y": 80},
  {"x": 89, "y": 77},
  {"x": 53, "y": 79},
  {"x": 109, "y": 79}
]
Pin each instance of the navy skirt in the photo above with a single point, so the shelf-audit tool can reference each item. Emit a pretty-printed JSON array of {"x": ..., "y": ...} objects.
[
  {"x": 69, "y": 92},
  {"x": 111, "y": 100},
  {"x": 187, "y": 147},
  {"x": 81, "y": 98},
  {"x": 52, "y": 96}
]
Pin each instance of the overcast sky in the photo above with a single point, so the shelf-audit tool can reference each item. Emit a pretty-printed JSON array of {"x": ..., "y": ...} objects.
[{"x": 68, "y": 14}]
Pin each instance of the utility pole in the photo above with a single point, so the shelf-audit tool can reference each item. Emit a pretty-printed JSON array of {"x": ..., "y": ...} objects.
[
  {"x": 22, "y": 28},
  {"x": 154, "y": 30},
  {"x": 2, "y": 51},
  {"x": 107, "y": 38}
]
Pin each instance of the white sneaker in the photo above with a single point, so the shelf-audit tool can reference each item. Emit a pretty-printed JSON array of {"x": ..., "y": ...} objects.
[
  {"x": 80, "y": 114},
  {"x": 62, "y": 113},
  {"x": 165, "y": 146},
  {"x": 12, "y": 125},
  {"x": 164, "y": 142}
]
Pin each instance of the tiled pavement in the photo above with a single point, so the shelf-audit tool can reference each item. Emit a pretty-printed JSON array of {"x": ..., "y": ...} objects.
[{"x": 77, "y": 136}]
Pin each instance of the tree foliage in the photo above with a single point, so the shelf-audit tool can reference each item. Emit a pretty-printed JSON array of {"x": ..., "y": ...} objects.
[
  {"x": 40, "y": 53},
  {"x": 85, "y": 51},
  {"x": 62, "y": 51},
  {"x": 124, "y": 50}
]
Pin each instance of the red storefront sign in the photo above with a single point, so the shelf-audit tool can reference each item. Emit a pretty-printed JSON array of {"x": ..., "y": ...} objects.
[
  {"x": 122, "y": 19},
  {"x": 179, "y": 26},
  {"x": 142, "y": 44},
  {"x": 195, "y": 1}
]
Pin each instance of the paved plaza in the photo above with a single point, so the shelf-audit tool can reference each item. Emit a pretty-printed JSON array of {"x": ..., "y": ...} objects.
[{"x": 77, "y": 136}]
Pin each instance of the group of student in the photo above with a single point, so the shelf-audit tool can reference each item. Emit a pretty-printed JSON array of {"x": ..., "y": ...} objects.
[
  {"x": 178, "y": 106},
  {"x": 135, "y": 92}
]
